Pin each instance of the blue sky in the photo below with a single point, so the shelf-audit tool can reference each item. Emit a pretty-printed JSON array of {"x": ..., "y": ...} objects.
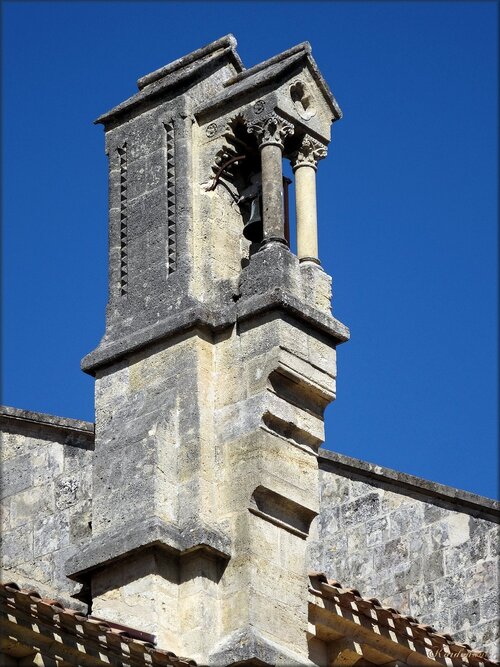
[{"x": 407, "y": 206}]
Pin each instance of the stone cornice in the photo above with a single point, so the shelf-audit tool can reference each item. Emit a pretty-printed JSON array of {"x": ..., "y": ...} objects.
[
  {"x": 196, "y": 316},
  {"x": 226, "y": 42},
  {"x": 18, "y": 419},
  {"x": 149, "y": 534},
  {"x": 281, "y": 300},
  {"x": 402, "y": 483},
  {"x": 203, "y": 317},
  {"x": 176, "y": 76}
]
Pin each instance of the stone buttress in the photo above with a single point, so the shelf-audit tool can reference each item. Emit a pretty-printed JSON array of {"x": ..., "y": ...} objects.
[{"x": 217, "y": 362}]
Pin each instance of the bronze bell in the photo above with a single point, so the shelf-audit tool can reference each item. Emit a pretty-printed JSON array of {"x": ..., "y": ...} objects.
[{"x": 253, "y": 230}]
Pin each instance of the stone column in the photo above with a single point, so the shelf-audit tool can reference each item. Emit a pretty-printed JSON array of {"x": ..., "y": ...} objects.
[
  {"x": 304, "y": 164},
  {"x": 271, "y": 133}
]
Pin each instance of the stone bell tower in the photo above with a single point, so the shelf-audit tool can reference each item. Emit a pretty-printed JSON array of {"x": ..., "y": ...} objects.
[{"x": 218, "y": 359}]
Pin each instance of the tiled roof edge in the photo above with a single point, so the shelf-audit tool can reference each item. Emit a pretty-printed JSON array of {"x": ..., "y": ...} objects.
[
  {"x": 10, "y": 414},
  {"x": 55, "y": 614},
  {"x": 406, "y": 626},
  {"x": 464, "y": 500}
]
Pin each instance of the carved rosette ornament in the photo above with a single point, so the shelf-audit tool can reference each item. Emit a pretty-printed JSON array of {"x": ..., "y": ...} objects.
[
  {"x": 309, "y": 153},
  {"x": 271, "y": 130}
]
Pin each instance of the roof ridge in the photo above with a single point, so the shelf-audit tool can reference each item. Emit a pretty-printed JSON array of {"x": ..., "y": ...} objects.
[
  {"x": 226, "y": 42},
  {"x": 303, "y": 46}
]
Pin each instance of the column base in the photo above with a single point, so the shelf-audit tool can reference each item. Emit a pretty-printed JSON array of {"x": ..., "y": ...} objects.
[
  {"x": 272, "y": 240},
  {"x": 312, "y": 260}
]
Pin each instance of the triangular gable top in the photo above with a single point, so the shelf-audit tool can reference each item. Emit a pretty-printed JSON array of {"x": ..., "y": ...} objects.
[
  {"x": 273, "y": 69},
  {"x": 227, "y": 44},
  {"x": 186, "y": 70}
]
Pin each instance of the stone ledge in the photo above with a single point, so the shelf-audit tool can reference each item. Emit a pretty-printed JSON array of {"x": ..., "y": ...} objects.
[
  {"x": 215, "y": 320},
  {"x": 284, "y": 55},
  {"x": 17, "y": 416},
  {"x": 150, "y": 533},
  {"x": 482, "y": 507},
  {"x": 190, "y": 318}
]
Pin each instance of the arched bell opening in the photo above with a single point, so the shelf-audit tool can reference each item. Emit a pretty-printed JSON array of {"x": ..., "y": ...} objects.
[
  {"x": 237, "y": 168},
  {"x": 289, "y": 206},
  {"x": 249, "y": 184},
  {"x": 251, "y": 196},
  {"x": 249, "y": 151}
]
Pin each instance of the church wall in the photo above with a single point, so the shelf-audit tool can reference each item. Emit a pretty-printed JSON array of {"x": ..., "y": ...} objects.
[
  {"x": 46, "y": 490},
  {"x": 428, "y": 550}
]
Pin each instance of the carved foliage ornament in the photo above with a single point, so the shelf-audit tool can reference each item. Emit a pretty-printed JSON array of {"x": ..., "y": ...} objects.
[
  {"x": 309, "y": 153},
  {"x": 270, "y": 130}
]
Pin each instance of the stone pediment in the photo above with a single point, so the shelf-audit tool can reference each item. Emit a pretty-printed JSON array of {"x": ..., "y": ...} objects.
[
  {"x": 182, "y": 75},
  {"x": 290, "y": 83}
]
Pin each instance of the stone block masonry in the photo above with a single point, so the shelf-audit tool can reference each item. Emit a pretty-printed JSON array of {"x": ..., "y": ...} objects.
[
  {"x": 46, "y": 491},
  {"x": 428, "y": 550},
  {"x": 211, "y": 381},
  {"x": 217, "y": 363}
]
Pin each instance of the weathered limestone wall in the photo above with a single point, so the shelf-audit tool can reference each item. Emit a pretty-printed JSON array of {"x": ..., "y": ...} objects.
[
  {"x": 427, "y": 550},
  {"x": 46, "y": 490},
  {"x": 223, "y": 463},
  {"x": 152, "y": 230},
  {"x": 269, "y": 424},
  {"x": 153, "y": 470}
]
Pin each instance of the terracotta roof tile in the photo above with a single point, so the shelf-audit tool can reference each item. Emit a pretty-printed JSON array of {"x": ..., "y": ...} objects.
[
  {"x": 407, "y": 628},
  {"x": 127, "y": 641}
]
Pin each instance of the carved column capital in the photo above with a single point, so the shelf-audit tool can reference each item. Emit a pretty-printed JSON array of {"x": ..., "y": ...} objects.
[
  {"x": 271, "y": 130},
  {"x": 309, "y": 153}
]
